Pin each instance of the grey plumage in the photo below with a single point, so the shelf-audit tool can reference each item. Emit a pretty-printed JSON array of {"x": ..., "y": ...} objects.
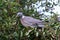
[
  {"x": 28, "y": 21},
  {"x": 58, "y": 18}
]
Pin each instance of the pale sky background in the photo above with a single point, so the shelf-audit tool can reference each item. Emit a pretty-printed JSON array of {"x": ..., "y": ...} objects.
[{"x": 56, "y": 9}]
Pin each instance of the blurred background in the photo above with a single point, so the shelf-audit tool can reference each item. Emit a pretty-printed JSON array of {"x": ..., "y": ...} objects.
[{"x": 46, "y": 10}]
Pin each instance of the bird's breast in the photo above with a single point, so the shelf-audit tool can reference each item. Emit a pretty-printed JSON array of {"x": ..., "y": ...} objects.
[{"x": 25, "y": 22}]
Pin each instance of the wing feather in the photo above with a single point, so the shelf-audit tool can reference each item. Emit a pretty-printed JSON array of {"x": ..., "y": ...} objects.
[{"x": 29, "y": 21}]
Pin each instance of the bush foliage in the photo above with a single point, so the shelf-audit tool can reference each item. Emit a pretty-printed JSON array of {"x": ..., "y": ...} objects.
[{"x": 10, "y": 31}]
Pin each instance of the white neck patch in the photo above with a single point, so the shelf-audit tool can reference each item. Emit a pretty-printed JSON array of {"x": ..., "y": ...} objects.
[{"x": 23, "y": 16}]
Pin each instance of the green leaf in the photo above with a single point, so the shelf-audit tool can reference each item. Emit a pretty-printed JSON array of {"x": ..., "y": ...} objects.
[{"x": 0, "y": 18}]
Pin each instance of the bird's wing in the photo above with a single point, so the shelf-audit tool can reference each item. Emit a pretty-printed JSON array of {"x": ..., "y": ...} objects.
[
  {"x": 26, "y": 23},
  {"x": 31, "y": 21}
]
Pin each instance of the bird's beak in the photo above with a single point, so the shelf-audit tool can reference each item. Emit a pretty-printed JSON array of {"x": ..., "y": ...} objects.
[
  {"x": 16, "y": 19},
  {"x": 17, "y": 15}
]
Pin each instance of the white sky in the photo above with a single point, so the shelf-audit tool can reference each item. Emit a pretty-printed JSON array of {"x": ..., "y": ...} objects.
[{"x": 56, "y": 8}]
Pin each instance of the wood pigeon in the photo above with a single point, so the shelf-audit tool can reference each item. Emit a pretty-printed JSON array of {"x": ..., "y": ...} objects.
[{"x": 28, "y": 21}]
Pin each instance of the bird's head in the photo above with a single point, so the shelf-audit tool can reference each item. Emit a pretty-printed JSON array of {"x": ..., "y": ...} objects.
[{"x": 20, "y": 14}]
